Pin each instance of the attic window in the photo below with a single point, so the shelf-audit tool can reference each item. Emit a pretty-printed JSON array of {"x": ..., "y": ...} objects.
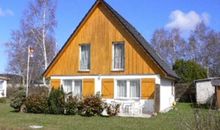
[
  {"x": 118, "y": 56},
  {"x": 85, "y": 57}
]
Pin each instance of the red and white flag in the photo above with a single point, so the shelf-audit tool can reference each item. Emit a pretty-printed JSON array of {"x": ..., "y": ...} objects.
[{"x": 31, "y": 52}]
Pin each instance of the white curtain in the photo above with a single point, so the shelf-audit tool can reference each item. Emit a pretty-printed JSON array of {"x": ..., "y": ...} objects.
[
  {"x": 122, "y": 88},
  {"x": 77, "y": 88},
  {"x": 67, "y": 86},
  {"x": 1, "y": 84},
  {"x": 118, "y": 56},
  {"x": 85, "y": 57},
  {"x": 134, "y": 88}
]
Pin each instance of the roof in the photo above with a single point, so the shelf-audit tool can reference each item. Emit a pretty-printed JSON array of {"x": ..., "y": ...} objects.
[
  {"x": 216, "y": 82},
  {"x": 3, "y": 78},
  {"x": 137, "y": 36},
  {"x": 143, "y": 42},
  {"x": 207, "y": 79},
  {"x": 12, "y": 78}
]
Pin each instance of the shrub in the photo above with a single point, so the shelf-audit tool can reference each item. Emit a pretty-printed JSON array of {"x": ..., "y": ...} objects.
[
  {"x": 37, "y": 104},
  {"x": 202, "y": 119},
  {"x": 188, "y": 71},
  {"x": 36, "y": 90},
  {"x": 18, "y": 100},
  {"x": 56, "y": 101},
  {"x": 92, "y": 105},
  {"x": 2, "y": 100},
  {"x": 113, "y": 109},
  {"x": 12, "y": 91},
  {"x": 72, "y": 105}
]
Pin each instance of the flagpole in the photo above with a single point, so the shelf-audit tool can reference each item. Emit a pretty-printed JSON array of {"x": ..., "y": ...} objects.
[{"x": 27, "y": 80}]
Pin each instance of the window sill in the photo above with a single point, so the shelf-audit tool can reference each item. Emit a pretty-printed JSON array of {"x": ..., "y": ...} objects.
[
  {"x": 121, "y": 98},
  {"x": 83, "y": 70},
  {"x": 117, "y": 70}
]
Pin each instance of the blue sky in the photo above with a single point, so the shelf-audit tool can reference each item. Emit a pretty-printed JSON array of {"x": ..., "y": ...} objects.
[{"x": 145, "y": 15}]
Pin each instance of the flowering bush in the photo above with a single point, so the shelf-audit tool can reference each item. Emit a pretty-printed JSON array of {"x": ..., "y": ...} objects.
[
  {"x": 36, "y": 104},
  {"x": 92, "y": 105},
  {"x": 113, "y": 110}
]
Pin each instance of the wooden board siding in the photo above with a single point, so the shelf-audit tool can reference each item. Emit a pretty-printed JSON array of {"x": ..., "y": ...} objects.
[
  {"x": 100, "y": 30},
  {"x": 218, "y": 96},
  {"x": 147, "y": 88},
  {"x": 55, "y": 83},
  {"x": 108, "y": 88},
  {"x": 88, "y": 88}
]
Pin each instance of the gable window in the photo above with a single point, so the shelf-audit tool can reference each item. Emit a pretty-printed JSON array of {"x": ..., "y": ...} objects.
[
  {"x": 128, "y": 88},
  {"x": 73, "y": 87},
  {"x": 85, "y": 57},
  {"x": 118, "y": 56}
]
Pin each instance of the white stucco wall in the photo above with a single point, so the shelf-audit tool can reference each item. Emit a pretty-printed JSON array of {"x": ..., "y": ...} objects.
[
  {"x": 167, "y": 95},
  {"x": 204, "y": 92},
  {"x": 148, "y": 104},
  {"x": 4, "y": 89}
]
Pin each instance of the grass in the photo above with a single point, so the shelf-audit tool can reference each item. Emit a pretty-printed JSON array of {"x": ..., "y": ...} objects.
[{"x": 21, "y": 121}]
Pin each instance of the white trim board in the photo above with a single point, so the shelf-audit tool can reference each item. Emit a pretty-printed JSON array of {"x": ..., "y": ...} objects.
[{"x": 156, "y": 77}]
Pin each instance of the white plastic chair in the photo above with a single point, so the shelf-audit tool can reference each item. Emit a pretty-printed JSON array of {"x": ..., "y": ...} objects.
[
  {"x": 137, "y": 108},
  {"x": 127, "y": 108}
]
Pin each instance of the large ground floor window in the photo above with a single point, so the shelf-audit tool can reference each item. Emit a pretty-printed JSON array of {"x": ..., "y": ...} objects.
[
  {"x": 73, "y": 87},
  {"x": 128, "y": 88}
]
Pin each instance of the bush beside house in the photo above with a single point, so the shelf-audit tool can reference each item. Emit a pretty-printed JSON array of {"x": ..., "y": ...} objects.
[
  {"x": 18, "y": 100},
  {"x": 56, "y": 103},
  {"x": 37, "y": 104}
]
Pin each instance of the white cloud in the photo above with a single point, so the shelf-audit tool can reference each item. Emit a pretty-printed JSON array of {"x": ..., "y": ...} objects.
[
  {"x": 186, "y": 21},
  {"x": 6, "y": 12}
]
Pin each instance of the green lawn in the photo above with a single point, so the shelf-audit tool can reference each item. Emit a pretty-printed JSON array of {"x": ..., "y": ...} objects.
[{"x": 167, "y": 121}]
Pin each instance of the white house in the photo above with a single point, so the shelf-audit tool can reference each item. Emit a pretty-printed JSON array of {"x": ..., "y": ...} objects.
[
  {"x": 205, "y": 91},
  {"x": 107, "y": 55},
  {"x": 3, "y": 87}
]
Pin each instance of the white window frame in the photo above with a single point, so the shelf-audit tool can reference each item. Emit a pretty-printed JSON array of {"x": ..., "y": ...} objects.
[
  {"x": 173, "y": 88},
  {"x": 128, "y": 89},
  {"x": 113, "y": 56},
  {"x": 84, "y": 44},
  {"x": 73, "y": 85},
  {"x": 2, "y": 84}
]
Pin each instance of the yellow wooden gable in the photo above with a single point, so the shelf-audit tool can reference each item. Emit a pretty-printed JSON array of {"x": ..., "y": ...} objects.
[{"x": 100, "y": 29}]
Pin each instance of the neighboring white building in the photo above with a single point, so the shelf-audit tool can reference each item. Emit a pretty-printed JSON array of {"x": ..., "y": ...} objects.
[
  {"x": 3, "y": 87},
  {"x": 204, "y": 90}
]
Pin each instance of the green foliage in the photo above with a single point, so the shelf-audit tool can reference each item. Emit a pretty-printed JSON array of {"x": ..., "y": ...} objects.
[
  {"x": 2, "y": 100},
  {"x": 18, "y": 100},
  {"x": 188, "y": 71},
  {"x": 72, "y": 106},
  {"x": 37, "y": 104},
  {"x": 56, "y": 101},
  {"x": 92, "y": 105}
]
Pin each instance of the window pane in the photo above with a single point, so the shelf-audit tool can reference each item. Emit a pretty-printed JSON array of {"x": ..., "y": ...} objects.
[
  {"x": 67, "y": 86},
  {"x": 1, "y": 84},
  {"x": 85, "y": 57},
  {"x": 134, "y": 88},
  {"x": 121, "y": 88},
  {"x": 119, "y": 56},
  {"x": 77, "y": 88}
]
